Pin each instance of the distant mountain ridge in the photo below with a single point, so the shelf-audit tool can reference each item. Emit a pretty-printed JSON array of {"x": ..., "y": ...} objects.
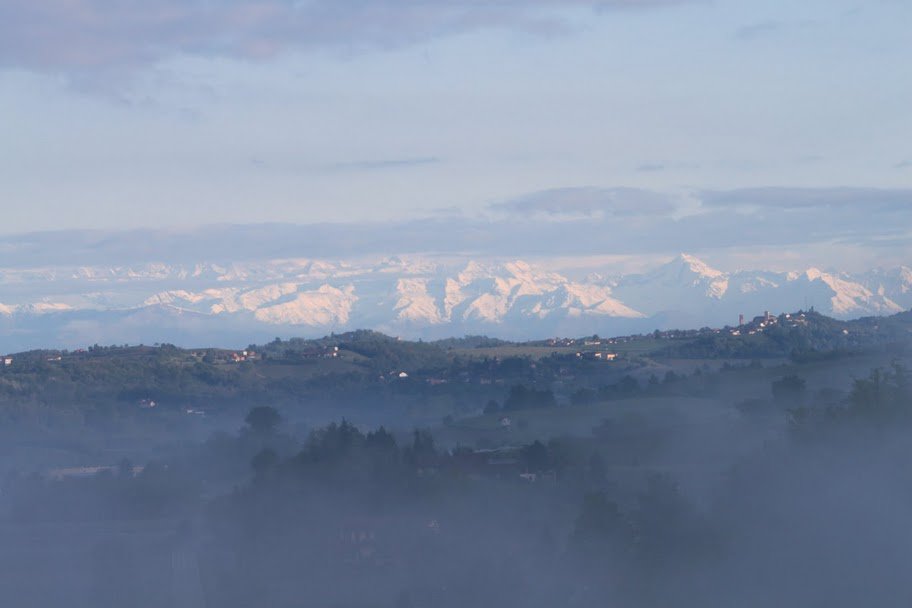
[{"x": 413, "y": 297}]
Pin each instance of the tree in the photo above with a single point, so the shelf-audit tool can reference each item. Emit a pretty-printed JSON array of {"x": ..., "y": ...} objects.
[
  {"x": 667, "y": 527},
  {"x": 381, "y": 439},
  {"x": 263, "y": 420},
  {"x": 337, "y": 442},
  {"x": 788, "y": 388},
  {"x": 382, "y": 449},
  {"x": 423, "y": 452},
  {"x": 535, "y": 457},
  {"x": 883, "y": 394},
  {"x": 264, "y": 461},
  {"x": 600, "y": 529}
]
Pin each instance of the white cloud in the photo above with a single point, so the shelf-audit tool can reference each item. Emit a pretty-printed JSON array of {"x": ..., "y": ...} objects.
[
  {"x": 602, "y": 222},
  {"x": 588, "y": 202},
  {"x": 113, "y": 36}
]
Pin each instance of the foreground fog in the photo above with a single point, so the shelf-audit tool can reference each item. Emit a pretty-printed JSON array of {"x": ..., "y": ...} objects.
[{"x": 629, "y": 482}]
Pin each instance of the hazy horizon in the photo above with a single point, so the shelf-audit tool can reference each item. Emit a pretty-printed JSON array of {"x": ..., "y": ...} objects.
[
  {"x": 720, "y": 128},
  {"x": 455, "y": 303}
]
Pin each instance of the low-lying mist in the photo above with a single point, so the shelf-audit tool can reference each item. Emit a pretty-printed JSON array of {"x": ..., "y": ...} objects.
[{"x": 736, "y": 485}]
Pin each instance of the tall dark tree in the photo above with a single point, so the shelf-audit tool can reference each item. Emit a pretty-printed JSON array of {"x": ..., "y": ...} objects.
[
  {"x": 265, "y": 460},
  {"x": 601, "y": 530},
  {"x": 535, "y": 457},
  {"x": 423, "y": 451},
  {"x": 263, "y": 420}
]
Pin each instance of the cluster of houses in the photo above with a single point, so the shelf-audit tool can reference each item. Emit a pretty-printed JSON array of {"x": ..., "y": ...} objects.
[
  {"x": 244, "y": 355},
  {"x": 326, "y": 352},
  {"x": 54, "y": 357},
  {"x": 593, "y": 341},
  {"x": 217, "y": 356},
  {"x": 677, "y": 334},
  {"x": 763, "y": 322},
  {"x": 597, "y": 355},
  {"x": 431, "y": 380},
  {"x": 394, "y": 375},
  {"x": 796, "y": 319}
]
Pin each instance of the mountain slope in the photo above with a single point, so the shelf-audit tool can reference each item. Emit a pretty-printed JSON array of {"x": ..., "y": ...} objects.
[{"x": 418, "y": 297}]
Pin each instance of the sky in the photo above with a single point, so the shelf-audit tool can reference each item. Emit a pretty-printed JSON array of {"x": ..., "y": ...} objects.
[{"x": 718, "y": 116}]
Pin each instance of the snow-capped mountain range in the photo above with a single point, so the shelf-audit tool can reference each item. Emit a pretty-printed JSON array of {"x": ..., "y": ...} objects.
[{"x": 413, "y": 297}]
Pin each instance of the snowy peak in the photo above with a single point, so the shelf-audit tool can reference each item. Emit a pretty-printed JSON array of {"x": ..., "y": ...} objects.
[
  {"x": 413, "y": 293},
  {"x": 695, "y": 266},
  {"x": 326, "y": 306},
  {"x": 688, "y": 271},
  {"x": 517, "y": 290},
  {"x": 848, "y": 297},
  {"x": 416, "y": 297},
  {"x": 685, "y": 280},
  {"x": 416, "y": 304},
  {"x": 895, "y": 284}
]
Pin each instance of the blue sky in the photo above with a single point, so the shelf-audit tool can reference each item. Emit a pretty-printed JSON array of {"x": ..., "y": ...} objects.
[{"x": 119, "y": 114}]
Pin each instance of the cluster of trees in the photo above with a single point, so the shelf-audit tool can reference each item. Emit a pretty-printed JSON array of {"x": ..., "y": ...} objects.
[
  {"x": 789, "y": 389},
  {"x": 421, "y": 523},
  {"x": 662, "y": 529},
  {"x": 362, "y": 517},
  {"x": 382, "y": 353},
  {"x": 882, "y": 399},
  {"x": 883, "y": 393}
]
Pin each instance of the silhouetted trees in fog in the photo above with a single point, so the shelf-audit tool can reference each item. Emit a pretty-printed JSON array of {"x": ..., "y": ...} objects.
[{"x": 358, "y": 516}]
